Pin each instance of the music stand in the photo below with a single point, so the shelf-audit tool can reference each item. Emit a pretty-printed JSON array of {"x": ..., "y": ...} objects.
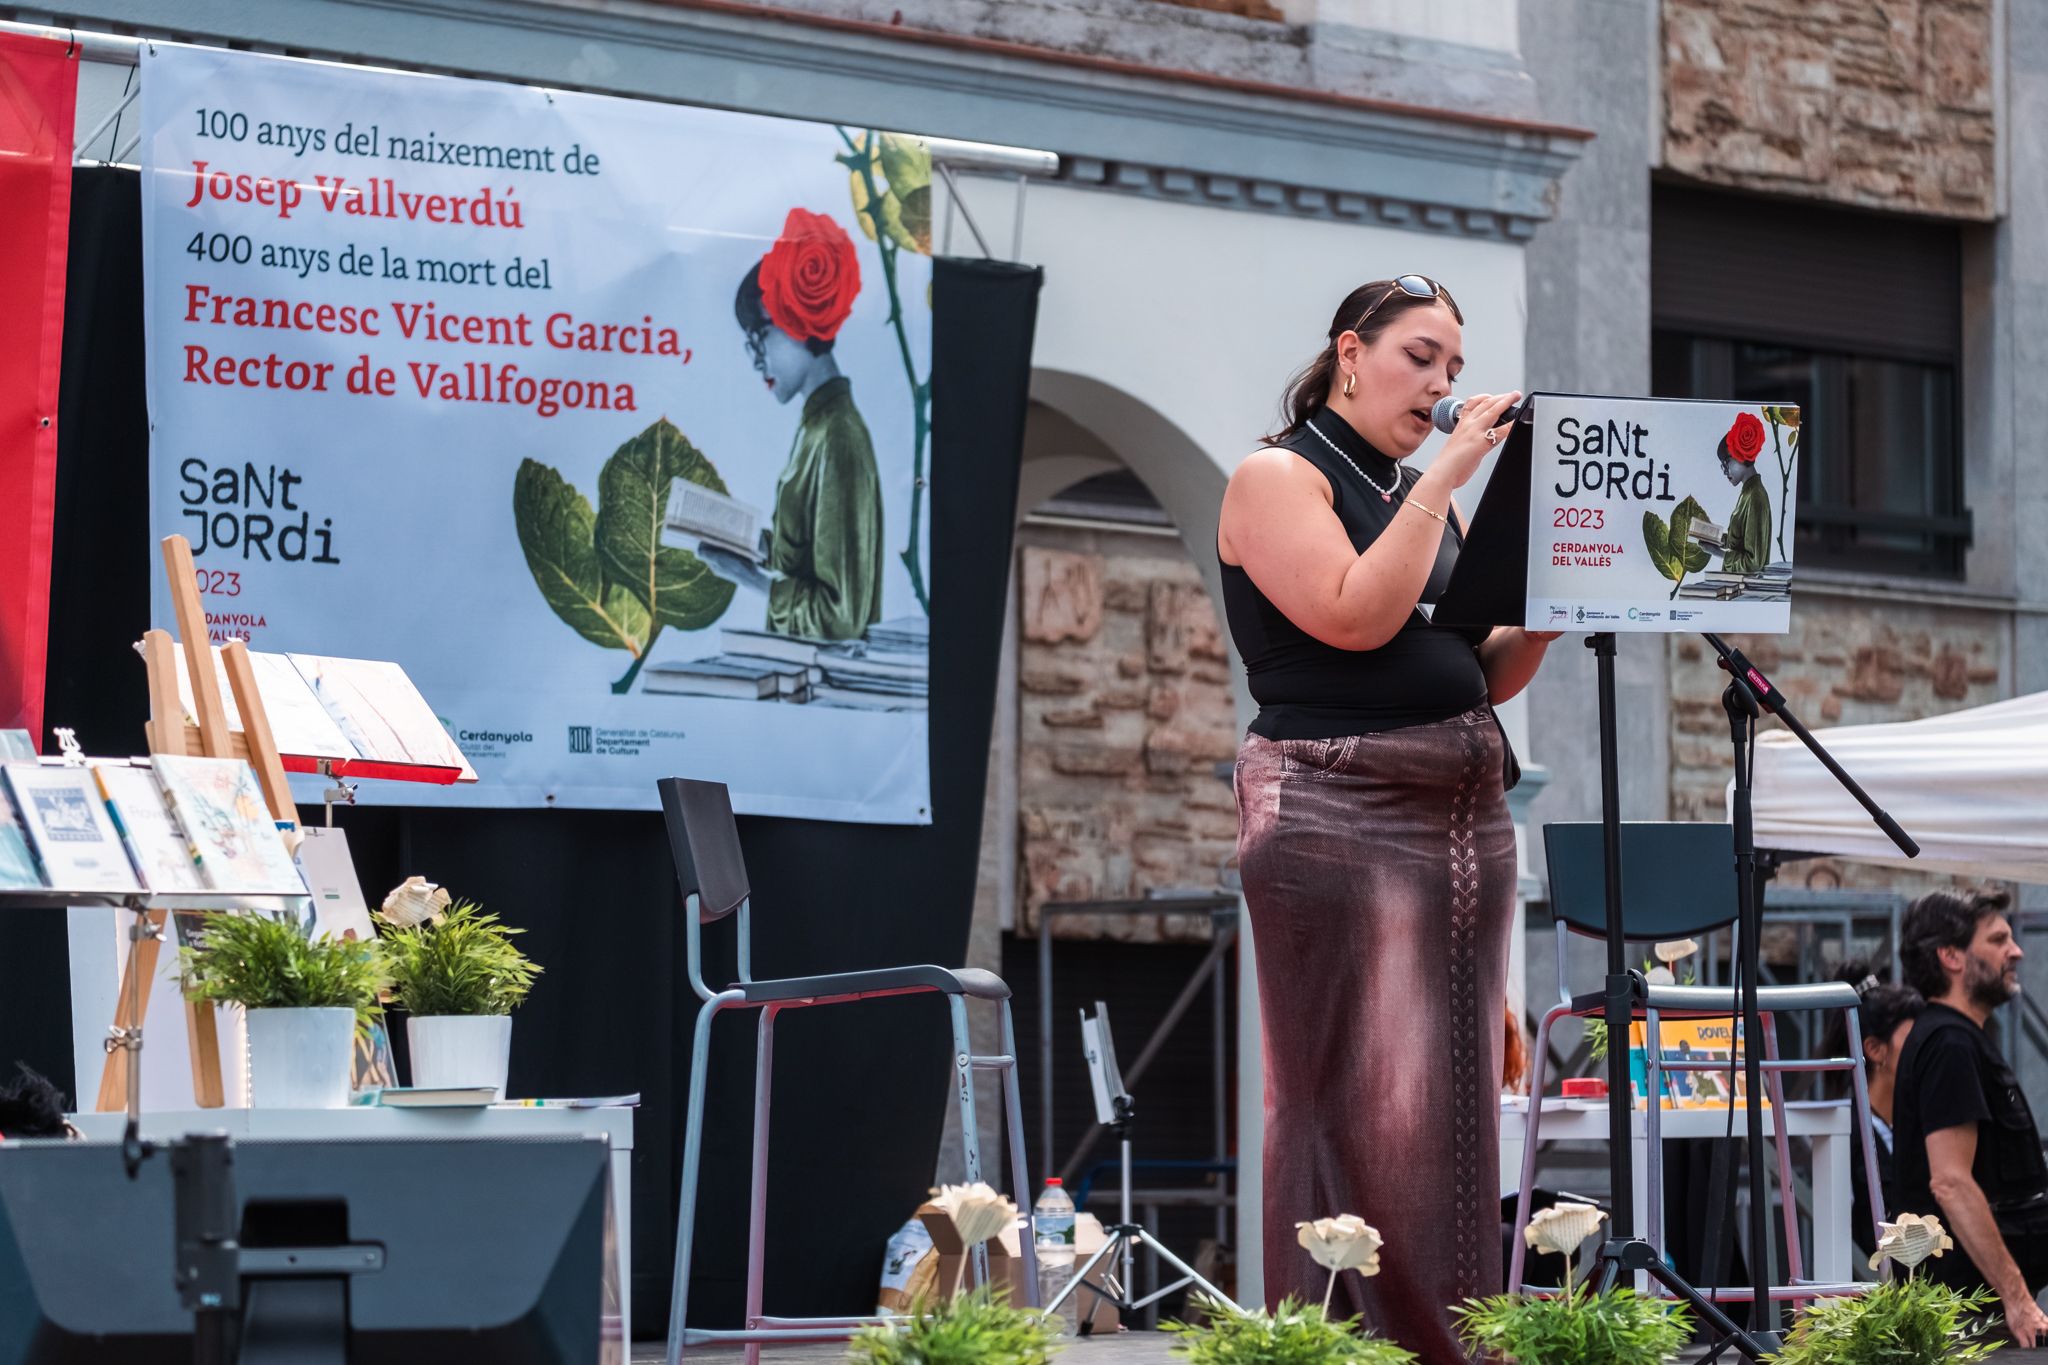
[
  {"x": 1490, "y": 587},
  {"x": 1115, "y": 1110}
]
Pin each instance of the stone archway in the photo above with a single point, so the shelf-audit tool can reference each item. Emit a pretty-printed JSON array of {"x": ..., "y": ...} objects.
[{"x": 1158, "y": 701}]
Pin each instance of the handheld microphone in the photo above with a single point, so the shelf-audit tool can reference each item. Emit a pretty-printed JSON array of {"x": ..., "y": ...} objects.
[{"x": 1444, "y": 416}]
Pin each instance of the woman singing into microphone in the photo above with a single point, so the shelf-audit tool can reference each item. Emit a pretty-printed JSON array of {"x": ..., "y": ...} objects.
[{"x": 1373, "y": 832}]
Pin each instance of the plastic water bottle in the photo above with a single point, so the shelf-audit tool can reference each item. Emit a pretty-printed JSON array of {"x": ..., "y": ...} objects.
[{"x": 1052, "y": 1220}]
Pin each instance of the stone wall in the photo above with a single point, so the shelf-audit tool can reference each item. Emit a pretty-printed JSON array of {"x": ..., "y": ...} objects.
[
  {"x": 1845, "y": 661},
  {"x": 1124, "y": 709},
  {"x": 1880, "y": 105},
  {"x": 1458, "y": 56}
]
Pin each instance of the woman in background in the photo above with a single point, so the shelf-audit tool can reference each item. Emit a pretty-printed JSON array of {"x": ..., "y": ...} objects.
[{"x": 1887, "y": 1014}]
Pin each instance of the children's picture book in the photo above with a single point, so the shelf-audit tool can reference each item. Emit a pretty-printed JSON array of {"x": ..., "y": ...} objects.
[
  {"x": 157, "y": 843},
  {"x": 348, "y": 712},
  {"x": 380, "y": 712},
  {"x": 1690, "y": 1041},
  {"x": 298, "y": 722},
  {"x": 69, "y": 829},
  {"x": 18, "y": 871},
  {"x": 222, "y": 809}
]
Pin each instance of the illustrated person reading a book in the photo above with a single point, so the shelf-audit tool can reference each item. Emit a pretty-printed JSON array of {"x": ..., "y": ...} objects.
[
  {"x": 1746, "y": 548},
  {"x": 823, "y": 548}
]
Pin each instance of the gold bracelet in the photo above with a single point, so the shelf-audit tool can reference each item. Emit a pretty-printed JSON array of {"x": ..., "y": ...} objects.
[{"x": 1426, "y": 511}]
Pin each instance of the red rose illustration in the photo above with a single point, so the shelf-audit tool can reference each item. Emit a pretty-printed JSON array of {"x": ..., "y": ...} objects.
[
  {"x": 810, "y": 276},
  {"x": 1744, "y": 441}
]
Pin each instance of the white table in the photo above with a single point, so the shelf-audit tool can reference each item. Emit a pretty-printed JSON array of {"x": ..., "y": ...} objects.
[
  {"x": 1826, "y": 1124},
  {"x": 615, "y": 1126}
]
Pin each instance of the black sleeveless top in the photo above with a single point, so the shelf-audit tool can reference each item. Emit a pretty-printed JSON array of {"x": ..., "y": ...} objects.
[{"x": 1309, "y": 690}]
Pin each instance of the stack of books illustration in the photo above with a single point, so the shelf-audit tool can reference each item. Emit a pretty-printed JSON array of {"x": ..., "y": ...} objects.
[
  {"x": 1772, "y": 583},
  {"x": 888, "y": 669}
]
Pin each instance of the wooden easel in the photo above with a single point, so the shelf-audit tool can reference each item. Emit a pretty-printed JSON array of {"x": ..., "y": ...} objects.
[{"x": 170, "y": 733}]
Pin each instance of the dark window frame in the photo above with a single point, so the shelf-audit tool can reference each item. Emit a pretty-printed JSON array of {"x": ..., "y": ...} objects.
[
  {"x": 1827, "y": 520},
  {"x": 1866, "y": 303}
]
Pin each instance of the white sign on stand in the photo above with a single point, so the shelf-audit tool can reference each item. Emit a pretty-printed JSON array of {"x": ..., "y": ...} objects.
[{"x": 1660, "y": 515}]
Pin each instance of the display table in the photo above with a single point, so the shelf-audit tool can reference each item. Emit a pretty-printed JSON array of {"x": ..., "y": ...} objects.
[
  {"x": 1825, "y": 1123},
  {"x": 614, "y": 1125}
]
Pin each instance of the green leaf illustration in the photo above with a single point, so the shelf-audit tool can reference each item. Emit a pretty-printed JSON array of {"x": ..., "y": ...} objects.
[
  {"x": 1656, "y": 539},
  {"x": 556, "y": 530},
  {"x": 1690, "y": 554},
  {"x": 915, "y": 214},
  {"x": 632, "y": 504},
  {"x": 906, "y": 164}
]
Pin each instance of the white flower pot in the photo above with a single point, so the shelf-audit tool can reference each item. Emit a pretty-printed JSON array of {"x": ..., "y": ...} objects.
[
  {"x": 458, "y": 1050},
  {"x": 300, "y": 1058}
]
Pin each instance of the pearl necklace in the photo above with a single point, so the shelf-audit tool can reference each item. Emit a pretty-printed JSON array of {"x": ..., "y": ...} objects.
[{"x": 1386, "y": 494}]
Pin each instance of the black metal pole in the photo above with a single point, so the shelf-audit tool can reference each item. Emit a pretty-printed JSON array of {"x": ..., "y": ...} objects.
[
  {"x": 208, "y": 1267},
  {"x": 1740, "y": 702},
  {"x": 1620, "y": 989},
  {"x": 1624, "y": 1253}
]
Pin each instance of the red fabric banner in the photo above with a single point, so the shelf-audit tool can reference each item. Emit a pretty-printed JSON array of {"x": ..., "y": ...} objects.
[{"x": 38, "y": 96}]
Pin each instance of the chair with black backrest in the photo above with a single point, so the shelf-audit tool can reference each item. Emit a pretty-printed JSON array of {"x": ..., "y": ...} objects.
[
  {"x": 1678, "y": 882},
  {"x": 713, "y": 875}
]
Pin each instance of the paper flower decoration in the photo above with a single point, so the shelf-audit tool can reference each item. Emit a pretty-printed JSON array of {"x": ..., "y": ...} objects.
[
  {"x": 1911, "y": 1240},
  {"x": 1346, "y": 1242},
  {"x": 978, "y": 1212},
  {"x": 1563, "y": 1228},
  {"x": 1668, "y": 953},
  {"x": 415, "y": 901}
]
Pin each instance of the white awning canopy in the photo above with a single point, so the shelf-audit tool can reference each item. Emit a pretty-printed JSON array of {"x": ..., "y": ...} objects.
[{"x": 1971, "y": 787}]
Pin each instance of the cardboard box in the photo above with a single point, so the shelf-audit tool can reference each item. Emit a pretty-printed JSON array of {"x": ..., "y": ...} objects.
[{"x": 1006, "y": 1264}]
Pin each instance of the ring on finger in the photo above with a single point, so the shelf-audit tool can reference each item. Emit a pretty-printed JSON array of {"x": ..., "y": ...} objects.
[{"x": 1492, "y": 436}]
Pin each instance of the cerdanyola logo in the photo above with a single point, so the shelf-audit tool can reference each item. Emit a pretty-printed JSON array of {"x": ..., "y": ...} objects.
[{"x": 579, "y": 739}]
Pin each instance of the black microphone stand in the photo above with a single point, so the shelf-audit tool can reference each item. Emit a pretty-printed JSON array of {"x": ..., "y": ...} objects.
[
  {"x": 1748, "y": 691},
  {"x": 1624, "y": 1252}
]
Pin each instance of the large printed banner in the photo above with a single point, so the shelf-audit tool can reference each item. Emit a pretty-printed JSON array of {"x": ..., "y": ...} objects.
[
  {"x": 606, "y": 420},
  {"x": 1661, "y": 515},
  {"x": 40, "y": 81}
]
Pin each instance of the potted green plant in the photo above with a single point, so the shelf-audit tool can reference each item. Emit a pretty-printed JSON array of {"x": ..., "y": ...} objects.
[
  {"x": 1577, "y": 1327},
  {"x": 1297, "y": 1333},
  {"x": 1906, "y": 1321},
  {"x": 304, "y": 997},
  {"x": 458, "y": 976}
]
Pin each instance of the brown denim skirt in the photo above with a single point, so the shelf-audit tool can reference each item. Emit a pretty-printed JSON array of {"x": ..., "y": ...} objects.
[{"x": 1380, "y": 871}]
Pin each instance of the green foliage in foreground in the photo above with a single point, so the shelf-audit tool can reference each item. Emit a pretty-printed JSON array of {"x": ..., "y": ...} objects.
[
  {"x": 975, "y": 1328},
  {"x": 1906, "y": 1322},
  {"x": 1618, "y": 1327},
  {"x": 1296, "y": 1333}
]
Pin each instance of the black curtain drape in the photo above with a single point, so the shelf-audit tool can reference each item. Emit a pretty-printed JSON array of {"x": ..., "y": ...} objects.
[{"x": 861, "y": 1089}]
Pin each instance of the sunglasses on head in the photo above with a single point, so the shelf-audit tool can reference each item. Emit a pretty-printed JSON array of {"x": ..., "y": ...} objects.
[{"x": 1415, "y": 287}]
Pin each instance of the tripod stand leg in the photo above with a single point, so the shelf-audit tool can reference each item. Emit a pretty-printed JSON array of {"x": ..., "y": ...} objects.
[
  {"x": 1193, "y": 1277},
  {"x": 1083, "y": 1271}
]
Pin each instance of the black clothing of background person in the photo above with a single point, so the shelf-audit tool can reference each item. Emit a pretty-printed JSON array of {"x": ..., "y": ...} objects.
[{"x": 1950, "y": 1074}]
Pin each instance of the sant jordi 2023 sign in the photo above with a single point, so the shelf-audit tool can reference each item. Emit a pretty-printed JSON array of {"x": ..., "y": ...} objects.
[
  {"x": 607, "y": 420},
  {"x": 1660, "y": 515}
]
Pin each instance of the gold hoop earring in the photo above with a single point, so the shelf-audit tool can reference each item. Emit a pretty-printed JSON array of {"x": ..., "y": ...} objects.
[{"x": 1350, "y": 382}]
